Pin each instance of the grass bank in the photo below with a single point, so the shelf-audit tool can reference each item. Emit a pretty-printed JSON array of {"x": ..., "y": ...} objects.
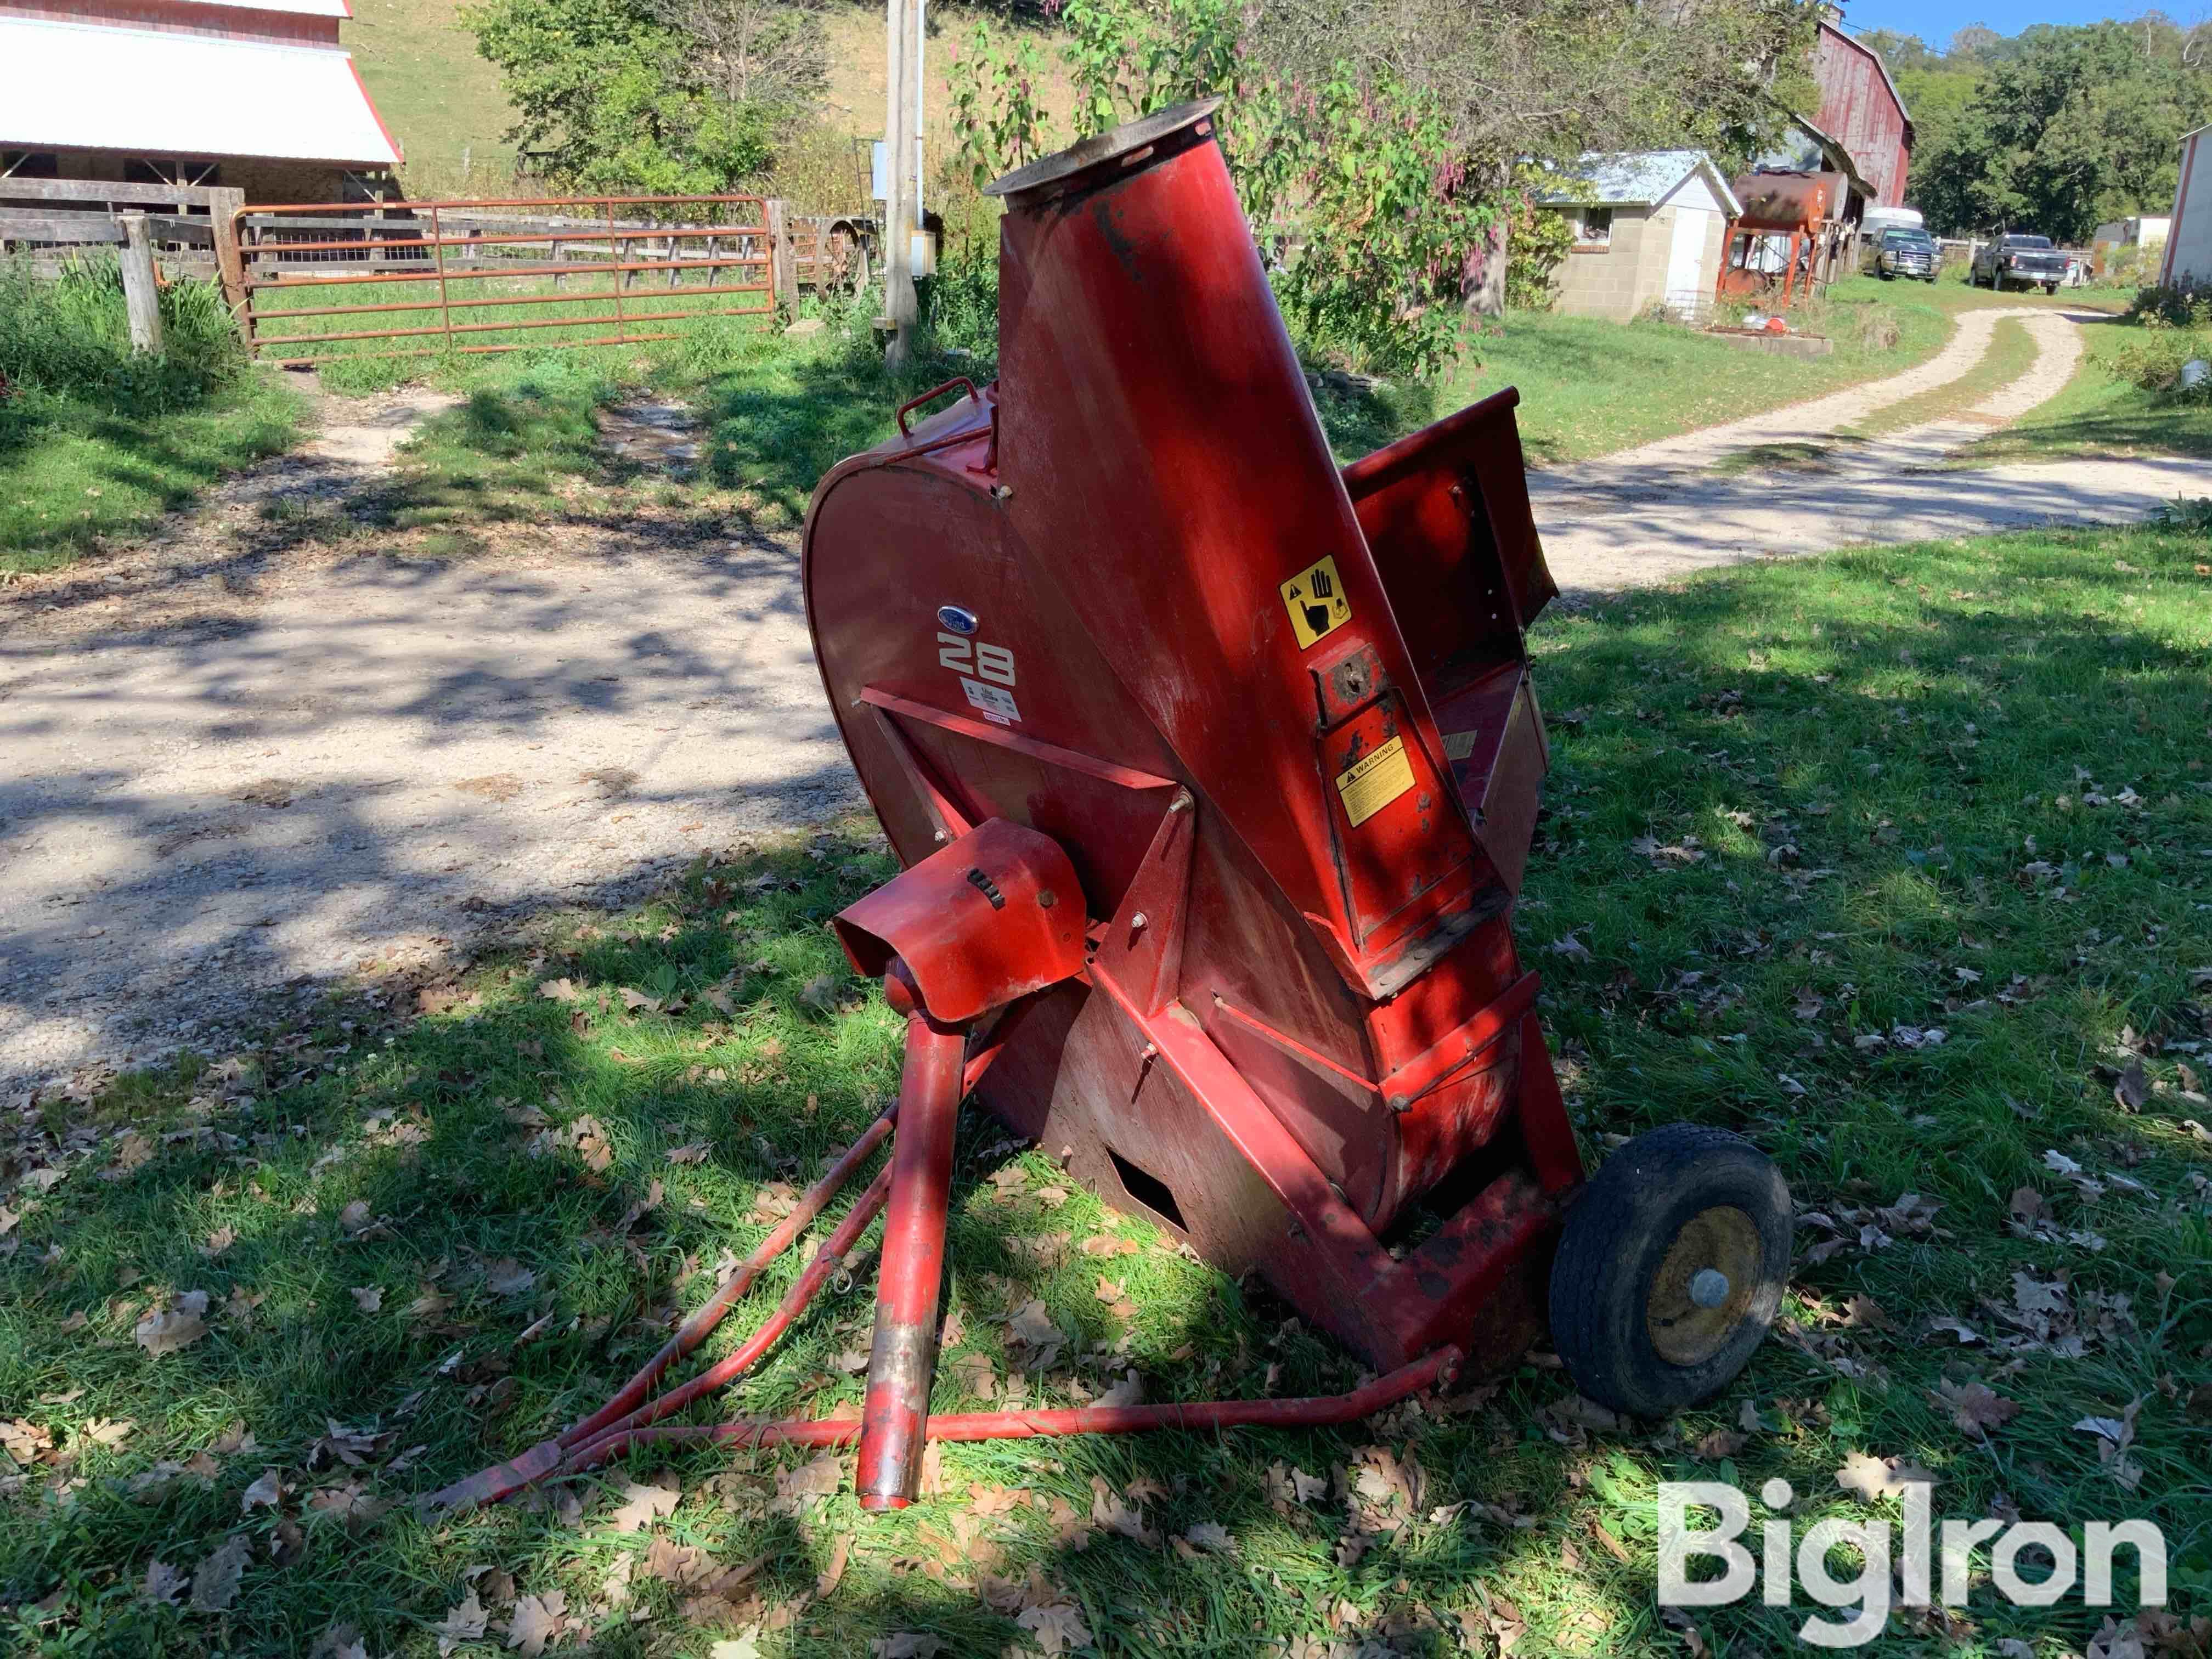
[
  {"x": 98, "y": 442},
  {"x": 1895, "y": 861},
  {"x": 1588, "y": 387},
  {"x": 2101, "y": 413}
]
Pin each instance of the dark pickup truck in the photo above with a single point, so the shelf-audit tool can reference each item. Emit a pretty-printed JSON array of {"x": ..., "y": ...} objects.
[{"x": 2019, "y": 260}]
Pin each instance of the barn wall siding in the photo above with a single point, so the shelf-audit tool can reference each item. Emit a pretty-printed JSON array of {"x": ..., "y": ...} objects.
[{"x": 1859, "y": 109}]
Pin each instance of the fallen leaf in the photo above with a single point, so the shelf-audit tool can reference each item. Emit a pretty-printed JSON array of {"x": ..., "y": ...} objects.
[
  {"x": 166, "y": 1331},
  {"x": 214, "y": 1581},
  {"x": 1875, "y": 1477},
  {"x": 1976, "y": 1408},
  {"x": 1211, "y": 1536},
  {"x": 558, "y": 990},
  {"x": 369, "y": 1299},
  {"x": 263, "y": 1493},
  {"x": 1058, "y": 1626},
  {"x": 162, "y": 1584},
  {"x": 641, "y": 1506},
  {"x": 818, "y": 1477},
  {"x": 834, "y": 1568},
  {"x": 693, "y": 1153},
  {"x": 536, "y": 1619}
]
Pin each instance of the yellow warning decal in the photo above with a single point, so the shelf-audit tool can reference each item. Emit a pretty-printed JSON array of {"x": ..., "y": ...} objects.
[
  {"x": 1373, "y": 782},
  {"x": 1315, "y": 598}
]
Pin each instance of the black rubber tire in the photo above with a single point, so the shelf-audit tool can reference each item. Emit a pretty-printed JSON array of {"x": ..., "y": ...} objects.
[
  {"x": 1616, "y": 1237},
  {"x": 2051, "y": 287}
]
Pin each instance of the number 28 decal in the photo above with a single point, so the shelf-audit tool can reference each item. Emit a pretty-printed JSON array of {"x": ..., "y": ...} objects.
[{"x": 995, "y": 662}]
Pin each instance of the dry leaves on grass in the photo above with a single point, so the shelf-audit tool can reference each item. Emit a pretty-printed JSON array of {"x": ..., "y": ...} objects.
[
  {"x": 641, "y": 1505},
  {"x": 818, "y": 1477},
  {"x": 1871, "y": 1478},
  {"x": 462, "y": 1622},
  {"x": 1976, "y": 1407},
  {"x": 1113, "y": 1511},
  {"x": 179, "y": 1325},
  {"x": 214, "y": 1581},
  {"x": 536, "y": 1621}
]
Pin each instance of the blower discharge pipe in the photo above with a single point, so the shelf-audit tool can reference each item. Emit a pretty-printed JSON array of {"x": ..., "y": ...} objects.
[{"x": 903, "y": 1356}]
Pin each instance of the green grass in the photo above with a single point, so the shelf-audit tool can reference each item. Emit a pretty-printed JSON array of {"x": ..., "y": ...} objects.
[
  {"x": 2011, "y": 354},
  {"x": 442, "y": 101},
  {"x": 2098, "y": 413},
  {"x": 97, "y": 440},
  {"x": 1590, "y": 387},
  {"x": 74, "y": 474},
  {"x": 1961, "y": 786}
]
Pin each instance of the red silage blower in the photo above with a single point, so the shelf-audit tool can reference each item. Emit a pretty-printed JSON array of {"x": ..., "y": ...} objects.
[{"x": 1214, "y": 770}]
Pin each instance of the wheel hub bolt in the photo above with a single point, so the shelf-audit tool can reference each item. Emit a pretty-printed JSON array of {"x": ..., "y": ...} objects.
[{"x": 1709, "y": 1287}]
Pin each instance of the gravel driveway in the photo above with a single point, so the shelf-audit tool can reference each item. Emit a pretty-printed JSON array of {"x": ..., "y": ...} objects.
[
  {"x": 1661, "y": 511},
  {"x": 232, "y": 776}
]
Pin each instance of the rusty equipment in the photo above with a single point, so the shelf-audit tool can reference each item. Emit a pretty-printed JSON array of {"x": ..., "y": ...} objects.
[
  {"x": 1214, "y": 770},
  {"x": 1785, "y": 239}
]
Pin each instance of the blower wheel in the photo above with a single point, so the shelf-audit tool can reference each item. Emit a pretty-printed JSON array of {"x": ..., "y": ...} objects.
[{"x": 1670, "y": 1269}]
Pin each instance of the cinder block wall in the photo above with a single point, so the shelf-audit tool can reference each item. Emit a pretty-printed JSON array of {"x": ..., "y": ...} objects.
[{"x": 1618, "y": 280}]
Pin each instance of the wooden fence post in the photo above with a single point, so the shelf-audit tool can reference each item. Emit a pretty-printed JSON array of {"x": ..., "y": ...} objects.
[
  {"x": 223, "y": 204},
  {"x": 140, "y": 296},
  {"x": 783, "y": 268}
]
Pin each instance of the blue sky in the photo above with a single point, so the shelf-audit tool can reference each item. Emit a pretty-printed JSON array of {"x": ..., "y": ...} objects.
[{"x": 1933, "y": 20}]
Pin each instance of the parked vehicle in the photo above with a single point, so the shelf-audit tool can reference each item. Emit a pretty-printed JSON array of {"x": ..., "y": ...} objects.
[
  {"x": 1907, "y": 254},
  {"x": 2019, "y": 259}
]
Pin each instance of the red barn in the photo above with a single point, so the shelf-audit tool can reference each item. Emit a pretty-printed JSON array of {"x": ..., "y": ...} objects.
[{"x": 1861, "y": 113}]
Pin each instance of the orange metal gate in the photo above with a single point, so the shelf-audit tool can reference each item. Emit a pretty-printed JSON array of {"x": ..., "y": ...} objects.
[{"x": 466, "y": 270}]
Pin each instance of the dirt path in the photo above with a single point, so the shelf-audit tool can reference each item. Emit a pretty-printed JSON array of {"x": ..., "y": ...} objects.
[
  {"x": 233, "y": 770},
  {"x": 1703, "y": 499},
  {"x": 229, "y": 776}
]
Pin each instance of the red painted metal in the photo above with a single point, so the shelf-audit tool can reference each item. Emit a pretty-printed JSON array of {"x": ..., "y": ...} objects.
[
  {"x": 1197, "y": 1417},
  {"x": 1059, "y": 604},
  {"x": 904, "y": 1353},
  {"x": 993, "y": 917},
  {"x": 1211, "y": 864}
]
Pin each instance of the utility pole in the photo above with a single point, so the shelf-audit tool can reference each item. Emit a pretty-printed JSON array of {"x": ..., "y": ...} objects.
[{"x": 903, "y": 80}]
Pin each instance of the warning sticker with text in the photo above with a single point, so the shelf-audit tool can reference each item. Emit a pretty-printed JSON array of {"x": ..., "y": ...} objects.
[
  {"x": 1374, "y": 780},
  {"x": 994, "y": 703},
  {"x": 1315, "y": 598}
]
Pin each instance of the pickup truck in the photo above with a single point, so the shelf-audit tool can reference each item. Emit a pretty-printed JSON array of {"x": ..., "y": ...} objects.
[{"x": 2019, "y": 259}]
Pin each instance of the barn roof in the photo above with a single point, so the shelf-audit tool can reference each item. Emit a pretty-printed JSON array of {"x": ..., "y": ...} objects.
[
  {"x": 76, "y": 86},
  {"x": 1638, "y": 178},
  {"x": 300, "y": 8}
]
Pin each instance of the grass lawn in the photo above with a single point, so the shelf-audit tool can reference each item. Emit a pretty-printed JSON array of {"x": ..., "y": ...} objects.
[
  {"x": 1899, "y": 862},
  {"x": 74, "y": 471},
  {"x": 440, "y": 99},
  {"x": 2098, "y": 413}
]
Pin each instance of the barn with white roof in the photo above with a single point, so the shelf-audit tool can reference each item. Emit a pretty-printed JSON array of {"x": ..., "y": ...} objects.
[{"x": 257, "y": 95}]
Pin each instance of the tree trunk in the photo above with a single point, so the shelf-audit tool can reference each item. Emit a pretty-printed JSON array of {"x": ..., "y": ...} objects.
[{"x": 1482, "y": 283}]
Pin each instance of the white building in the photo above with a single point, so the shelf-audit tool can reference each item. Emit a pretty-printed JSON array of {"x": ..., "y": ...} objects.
[
  {"x": 2189, "y": 243},
  {"x": 256, "y": 94}
]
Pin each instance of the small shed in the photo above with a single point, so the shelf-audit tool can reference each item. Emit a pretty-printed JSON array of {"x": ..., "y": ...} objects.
[
  {"x": 253, "y": 94},
  {"x": 1648, "y": 225}
]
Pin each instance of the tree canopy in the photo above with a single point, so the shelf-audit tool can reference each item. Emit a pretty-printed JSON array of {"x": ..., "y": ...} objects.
[
  {"x": 2055, "y": 130},
  {"x": 654, "y": 96}
]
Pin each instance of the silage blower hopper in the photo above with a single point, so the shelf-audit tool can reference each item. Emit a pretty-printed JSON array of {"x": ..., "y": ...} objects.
[{"x": 1214, "y": 769}]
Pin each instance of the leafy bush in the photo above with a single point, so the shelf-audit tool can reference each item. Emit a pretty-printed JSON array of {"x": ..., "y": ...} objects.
[
  {"x": 69, "y": 336},
  {"x": 2172, "y": 305},
  {"x": 2154, "y": 361}
]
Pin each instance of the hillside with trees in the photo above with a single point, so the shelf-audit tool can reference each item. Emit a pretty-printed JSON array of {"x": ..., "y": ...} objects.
[{"x": 2056, "y": 129}]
